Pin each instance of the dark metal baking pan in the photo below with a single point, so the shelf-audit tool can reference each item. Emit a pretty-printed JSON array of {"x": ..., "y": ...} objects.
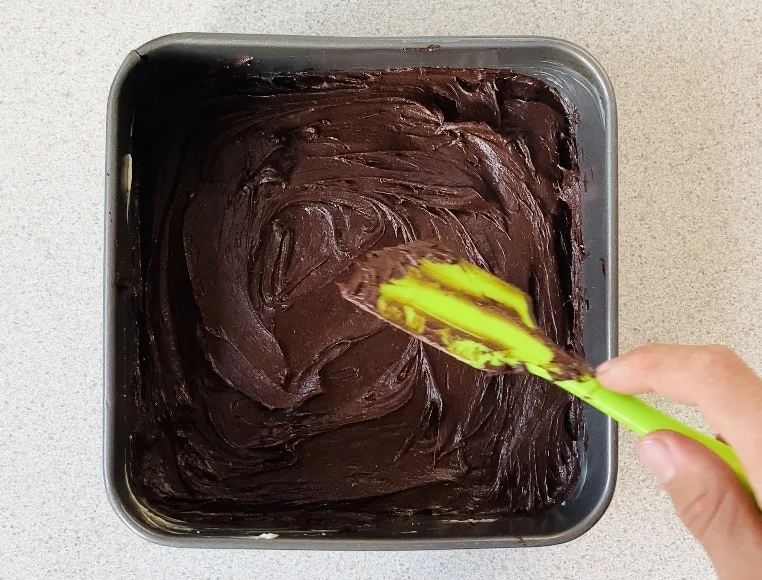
[{"x": 578, "y": 78}]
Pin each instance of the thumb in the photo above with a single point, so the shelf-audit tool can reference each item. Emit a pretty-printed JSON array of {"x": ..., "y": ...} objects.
[{"x": 709, "y": 500}]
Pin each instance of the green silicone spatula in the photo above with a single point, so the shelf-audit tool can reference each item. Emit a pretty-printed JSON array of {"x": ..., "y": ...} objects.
[{"x": 488, "y": 324}]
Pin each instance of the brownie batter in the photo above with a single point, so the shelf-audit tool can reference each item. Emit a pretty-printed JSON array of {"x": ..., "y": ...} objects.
[{"x": 263, "y": 396}]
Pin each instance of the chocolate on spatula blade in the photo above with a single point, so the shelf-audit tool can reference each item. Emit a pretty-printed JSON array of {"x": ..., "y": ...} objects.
[{"x": 457, "y": 307}]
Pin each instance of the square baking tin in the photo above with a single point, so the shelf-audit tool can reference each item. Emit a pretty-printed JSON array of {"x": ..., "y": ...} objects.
[{"x": 584, "y": 86}]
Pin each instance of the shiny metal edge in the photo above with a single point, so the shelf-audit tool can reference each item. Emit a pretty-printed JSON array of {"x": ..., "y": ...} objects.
[{"x": 110, "y": 396}]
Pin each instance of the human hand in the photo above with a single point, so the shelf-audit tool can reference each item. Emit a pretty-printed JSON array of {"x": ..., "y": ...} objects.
[{"x": 707, "y": 496}]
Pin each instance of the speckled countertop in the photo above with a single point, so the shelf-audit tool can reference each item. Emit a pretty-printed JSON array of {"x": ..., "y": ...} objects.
[{"x": 687, "y": 76}]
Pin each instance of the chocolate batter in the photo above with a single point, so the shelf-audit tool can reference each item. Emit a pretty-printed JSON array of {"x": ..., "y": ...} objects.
[{"x": 263, "y": 395}]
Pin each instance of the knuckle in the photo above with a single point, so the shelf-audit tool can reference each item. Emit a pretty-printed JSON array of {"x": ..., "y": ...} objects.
[
  {"x": 713, "y": 356},
  {"x": 648, "y": 348},
  {"x": 703, "y": 511},
  {"x": 698, "y": 513},
  {"x": 720, "y": 352},
  {"x": 646, "y": 352}
]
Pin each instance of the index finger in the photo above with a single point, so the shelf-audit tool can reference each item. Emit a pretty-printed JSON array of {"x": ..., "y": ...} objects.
[{"x": 713, "y": 378}]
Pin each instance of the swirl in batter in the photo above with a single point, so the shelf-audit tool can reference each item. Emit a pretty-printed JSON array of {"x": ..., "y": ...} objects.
[{"x": 263, "y": 394}]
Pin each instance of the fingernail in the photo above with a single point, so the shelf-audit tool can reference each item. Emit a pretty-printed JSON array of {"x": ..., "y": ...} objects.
[
  {"x": 602, "y": 368},
  {"x": 657, "y": 457}
]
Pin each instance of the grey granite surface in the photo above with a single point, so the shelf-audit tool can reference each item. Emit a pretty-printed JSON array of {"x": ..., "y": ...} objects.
[{"x": 687, "y": 76}]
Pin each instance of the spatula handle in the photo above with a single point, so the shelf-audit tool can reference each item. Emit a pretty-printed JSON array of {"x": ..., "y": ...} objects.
[{"x": 642, "y": 418}]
